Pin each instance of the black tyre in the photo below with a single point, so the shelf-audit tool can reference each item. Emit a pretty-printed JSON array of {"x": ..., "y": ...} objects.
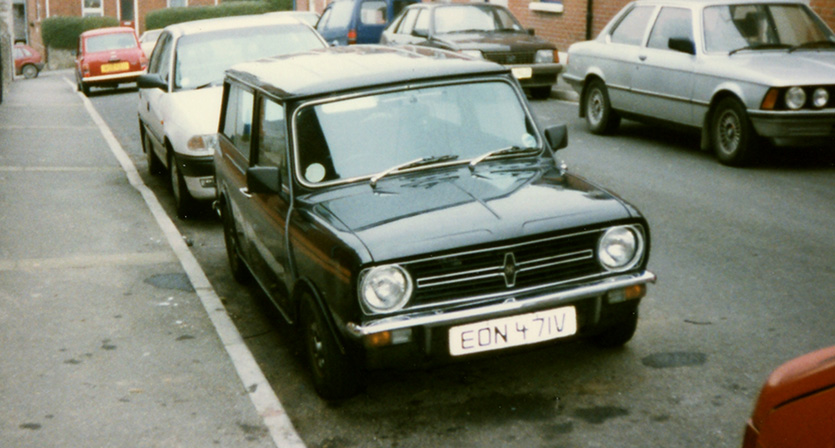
[
  {"x": 732, "y": 134},
  {"x": 599, "y": 114},
  {"x": 619, "y": 333},
  {"x": 155, "y": 166},
  {"x": 540, "y": 93},
  {"x": 183, "y": 200},
  {"x": 230, "y": 236},
  {"x": 335, "y": 375},
  {"x": 29, "y": 71}
]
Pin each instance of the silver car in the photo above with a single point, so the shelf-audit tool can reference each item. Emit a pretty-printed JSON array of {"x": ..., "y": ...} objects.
[{"x": 741, "y": 71}]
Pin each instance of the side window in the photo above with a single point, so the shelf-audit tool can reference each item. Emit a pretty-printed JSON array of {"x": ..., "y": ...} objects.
[
  {"x": 373, "y": 12},
  {"x": 161, "y": 57},
  {"x": 422, "y": 22},
  {"x": 237, "y": 124},
  {"x": 408, "y": 22},
  {"x": 631, "y": 28},
  {"x": 671, "y": 22},
  {"x": 272, "y": 139}
]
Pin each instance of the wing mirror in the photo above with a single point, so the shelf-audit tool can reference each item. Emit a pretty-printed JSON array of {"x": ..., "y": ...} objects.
[
  {"x": 263, "y": 179},
  {"x": 682, "y": 44},
  {"x": 557, "y": 136},
  {"x": 151, "y": 81}
]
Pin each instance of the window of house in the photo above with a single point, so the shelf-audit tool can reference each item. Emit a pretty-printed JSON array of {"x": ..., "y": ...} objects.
[
  {"x": 177, "y": 3},
  {"x": 92, "y": 8}
]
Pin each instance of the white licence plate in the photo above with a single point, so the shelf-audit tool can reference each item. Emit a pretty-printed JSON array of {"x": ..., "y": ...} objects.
[
  {"x": 522, "y": 72},
  {"x": 512, "y": 331}
]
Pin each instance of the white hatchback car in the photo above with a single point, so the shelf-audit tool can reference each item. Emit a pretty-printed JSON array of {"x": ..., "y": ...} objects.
[{"x": 179, "y": 98}]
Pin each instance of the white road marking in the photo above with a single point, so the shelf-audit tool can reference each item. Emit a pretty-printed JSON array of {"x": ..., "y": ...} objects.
[{"x": 262, "y": 395}]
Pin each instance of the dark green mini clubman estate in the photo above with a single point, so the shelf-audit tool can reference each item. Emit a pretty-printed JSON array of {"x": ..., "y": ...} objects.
[{"x": 403, "y": 207}]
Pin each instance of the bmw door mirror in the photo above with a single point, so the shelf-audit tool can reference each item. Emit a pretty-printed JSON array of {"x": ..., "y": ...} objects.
[
  {"x": 263, "y": 179},
  {"x": 682, "y": 44},
  {"x": 151, "y": 81},
  {"x": 557, "y": 136}
]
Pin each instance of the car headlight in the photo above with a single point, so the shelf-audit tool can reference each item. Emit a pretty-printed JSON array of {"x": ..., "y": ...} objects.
[
  {"x": 620, "y": 248},
  {"x": 795, "y": 98},
  {"x": 207, "y": 143},
  {"x": 544, "y": 57},
  {"x": 477, "y": 54},
  {"x": 385, "y": 288},
  {"x": 820, "y": 97}
]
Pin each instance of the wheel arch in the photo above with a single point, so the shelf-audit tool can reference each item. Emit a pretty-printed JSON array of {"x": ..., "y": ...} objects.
[
  {"x": 305, "y": 290},
  {"x": 705, "y": 143},
  {"x": 590, "y": 78}
]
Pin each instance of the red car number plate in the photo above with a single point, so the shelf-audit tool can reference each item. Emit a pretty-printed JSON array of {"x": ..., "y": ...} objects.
[{"x": 512, "y": 331}]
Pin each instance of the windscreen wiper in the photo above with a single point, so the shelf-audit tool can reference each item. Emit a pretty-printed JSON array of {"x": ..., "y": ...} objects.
[
  {"x": 816, "y": 43},
  {"x": 760, "y": 47},
  {"x": 411, "y": 164},
  {"x": 501, "y": 152}
]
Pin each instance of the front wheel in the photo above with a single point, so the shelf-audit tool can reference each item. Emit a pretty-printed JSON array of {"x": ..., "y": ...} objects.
[
  {"x": 335, "y": 375},
  {"x": 155, "y": 166},
  {"x": 599, "y": 114},
  {"x": 182, "y": 198},
  {"x": 620, "y": 333},
  {"x": 29, "y": 71},
  {"x": 732, "y": 134}
]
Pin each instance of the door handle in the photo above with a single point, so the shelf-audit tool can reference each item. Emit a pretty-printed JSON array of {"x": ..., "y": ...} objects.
[
  {"x": 245, "y": 191},
  {"x": 642, "y": 57}
]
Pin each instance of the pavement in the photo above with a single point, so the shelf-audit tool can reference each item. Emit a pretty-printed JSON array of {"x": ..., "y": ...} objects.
[{"x": 111, "y": 334}]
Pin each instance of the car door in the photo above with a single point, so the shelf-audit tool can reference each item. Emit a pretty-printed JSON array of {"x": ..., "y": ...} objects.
[
  {"x": 151, "y": 100},
  {"x": 265, "y": 214},
  {"x": 663, "y": 79},
  {"x": 619, "y": 58}
]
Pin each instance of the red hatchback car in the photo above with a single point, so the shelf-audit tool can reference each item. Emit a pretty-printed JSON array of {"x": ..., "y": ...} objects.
[
  {"x": 27, "y": 61},
  {"x": 108, "y": 57},
  {"x": 796, "y": 406}
]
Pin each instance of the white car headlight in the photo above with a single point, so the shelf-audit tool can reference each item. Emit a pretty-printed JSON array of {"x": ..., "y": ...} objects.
[
  {"x": 620, "y": 248},
  {"x": 544, "y": 57},
  {"x": 385, "y": 288},
  {"x": 473, "y": 54},
  {"x": 820, "y": 97},
  {"x": 795, "y": 98},
  {"x": 207, "y": 143}
]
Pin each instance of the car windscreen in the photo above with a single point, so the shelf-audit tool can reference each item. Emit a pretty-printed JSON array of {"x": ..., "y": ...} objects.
[
  {"x": 733, "y": 27},
  {"x": 363, "y": 136},
  {"x": 203, "y": 58},
  {"x": 107, "y": 42},
  {"x": 467, "y": 18}
]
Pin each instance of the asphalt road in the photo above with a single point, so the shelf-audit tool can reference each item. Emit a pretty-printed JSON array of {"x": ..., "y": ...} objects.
[{"x": 746, "y": 275}]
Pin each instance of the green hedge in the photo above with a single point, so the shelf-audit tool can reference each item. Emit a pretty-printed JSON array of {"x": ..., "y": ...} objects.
[
  {"x": 62, "y": 32},
  {"x": 164, "y": 17}
]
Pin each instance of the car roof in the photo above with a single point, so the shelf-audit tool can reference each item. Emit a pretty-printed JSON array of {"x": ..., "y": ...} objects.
[
  {"x": 339, "y": 69},
  {"x": 108, "y": 30},
  {"x": 229, "y": 23}
]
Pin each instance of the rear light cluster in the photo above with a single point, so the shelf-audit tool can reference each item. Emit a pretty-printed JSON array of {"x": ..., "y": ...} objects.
[
  {"x": 797, "y": 98},
  {"x": 352, "y": 37}
]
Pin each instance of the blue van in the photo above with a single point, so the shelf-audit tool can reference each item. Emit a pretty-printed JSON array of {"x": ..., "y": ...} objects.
[{"x": 348, "y": 22}]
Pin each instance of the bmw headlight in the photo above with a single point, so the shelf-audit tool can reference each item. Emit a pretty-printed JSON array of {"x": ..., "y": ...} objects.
[
  {"x": 544, "y": 57},
  {"x": 203, "y": 143},
  {"x": 620, "y": 248},
  {"x": 385, "y": 288},
  {"x": 477, "y": 54},
  {"x": 795, "y": 98},
  {"x": 820, "y": 97}
]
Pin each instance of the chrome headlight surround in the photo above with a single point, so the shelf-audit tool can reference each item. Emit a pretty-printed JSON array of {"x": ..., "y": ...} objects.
[
  {"x": 386, "y": 288},
  {"x": 795, "y": 98},
  {"x": 820, "y": 97},
  {"x": 544, "y": 57},
  {"x": 620, "y": 248}
]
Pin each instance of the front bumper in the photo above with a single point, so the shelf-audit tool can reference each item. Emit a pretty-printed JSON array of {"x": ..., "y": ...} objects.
[
  {"x": 199, "y": 175},
  {"x": 794, "y": 124},
  {"x": 428, "y": 329},
  {"x": 541, "y": 75}
]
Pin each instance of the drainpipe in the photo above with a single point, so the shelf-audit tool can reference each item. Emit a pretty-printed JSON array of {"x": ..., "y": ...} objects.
[{"x": 589, "y": 18}]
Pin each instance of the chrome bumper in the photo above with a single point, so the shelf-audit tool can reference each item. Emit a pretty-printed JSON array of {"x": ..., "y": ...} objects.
[{"x": 430, "y": 318}]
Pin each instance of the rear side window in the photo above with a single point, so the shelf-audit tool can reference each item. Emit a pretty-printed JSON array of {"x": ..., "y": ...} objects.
[
  {"x": 237, "y": 124},
  {"x": 272, "y": 138},
  {"x": 630, "y": 30},
  {"x": 408, "y": 22},
  {"x": 373, "y": 12}
]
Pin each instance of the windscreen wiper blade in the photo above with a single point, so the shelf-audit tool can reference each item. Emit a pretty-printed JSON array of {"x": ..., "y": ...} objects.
[
  {"x": 500, "y": 152},
  {"x": 813, "y": 44},
  {"x": 760, "y": 47},
  {"x": 412, "y": 164}
]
